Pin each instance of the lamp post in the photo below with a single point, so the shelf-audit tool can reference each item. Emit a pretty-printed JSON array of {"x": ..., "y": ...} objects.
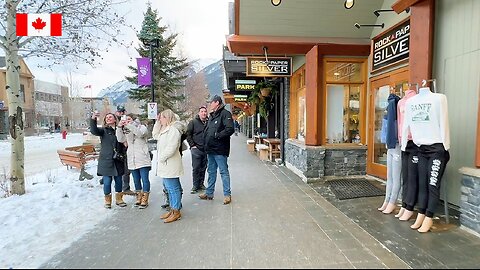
[{"x": 153, "y": 43}]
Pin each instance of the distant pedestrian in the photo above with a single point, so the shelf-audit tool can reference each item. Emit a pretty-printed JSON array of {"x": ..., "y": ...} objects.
[
  {"x": 217, "y": 146},
  {"x": 138, "y": 157},
  {"x": 168, "y": 133},
  {"x": 111, "y": 163},
  {"x": 236, "y": 126},
  {"x": 121, "y": 114},
  {"x": 195, "y": 139}
]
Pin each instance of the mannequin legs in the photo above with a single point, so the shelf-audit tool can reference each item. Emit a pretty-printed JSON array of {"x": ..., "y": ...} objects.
[
  {"x": 407, "y": 214},
  {"x": 389, "y": 209},
  {"x": 384, "y": 205},
  {"x": 400, "y": 212},
  {"x": 418, "y": 221},
  {"x": 426, "y": 225}
]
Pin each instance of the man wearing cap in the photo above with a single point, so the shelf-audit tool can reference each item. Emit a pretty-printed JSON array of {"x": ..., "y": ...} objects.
[
  {"x": 126, "y": 177},
  {"x": 217, "y": 146}
]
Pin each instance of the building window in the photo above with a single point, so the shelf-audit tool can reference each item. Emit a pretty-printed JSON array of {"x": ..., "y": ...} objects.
[
  {"x": 298, "y": 111},
  {"x": 22, "y": 92},
  {"x": 345, "y": 102}
]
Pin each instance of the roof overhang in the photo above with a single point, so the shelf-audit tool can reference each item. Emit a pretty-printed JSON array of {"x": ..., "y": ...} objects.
[{"x": 253, "y": 45}]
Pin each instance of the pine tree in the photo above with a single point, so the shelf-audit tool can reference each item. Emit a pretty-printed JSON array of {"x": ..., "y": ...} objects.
[{"x": 167, "y": 68}]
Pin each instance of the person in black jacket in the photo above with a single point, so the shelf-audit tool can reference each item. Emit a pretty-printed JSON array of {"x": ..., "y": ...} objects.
[
  {"x": 111, "y": 163},
  {"x": 217, "y": 146},
  {"x": 195, "y": 131}
]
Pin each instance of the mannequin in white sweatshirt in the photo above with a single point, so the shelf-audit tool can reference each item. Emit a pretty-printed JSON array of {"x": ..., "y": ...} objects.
[{"x": 426, "y": 117}]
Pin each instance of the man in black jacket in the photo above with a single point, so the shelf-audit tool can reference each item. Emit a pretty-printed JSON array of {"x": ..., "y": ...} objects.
[
  {"x": 195, "y": 131},
  {"x": 217, "y": 146}
]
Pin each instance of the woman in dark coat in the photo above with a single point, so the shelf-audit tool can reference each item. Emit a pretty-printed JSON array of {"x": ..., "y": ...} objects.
[{"x": 108, "y": 166}]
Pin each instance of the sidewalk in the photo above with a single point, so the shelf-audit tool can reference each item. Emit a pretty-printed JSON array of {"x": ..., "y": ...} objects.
[{"x": 274, "y": 221}]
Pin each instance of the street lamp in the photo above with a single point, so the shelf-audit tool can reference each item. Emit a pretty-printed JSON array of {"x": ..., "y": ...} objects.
[{"x": 153, "y": 43}]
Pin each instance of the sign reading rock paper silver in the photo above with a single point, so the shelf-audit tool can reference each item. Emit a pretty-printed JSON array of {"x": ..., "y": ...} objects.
[
  {"x": 152, "y": 110},
  {"x": 392, "y": 46},
  {"x": 274, "y": 67}
]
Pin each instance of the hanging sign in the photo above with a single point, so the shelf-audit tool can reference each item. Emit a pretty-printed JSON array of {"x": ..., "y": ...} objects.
[
  {"x": 240, "y": 98},
  {"x": 144, "y": 71},
  {"x": 152, "y": 110},
  {"x": 392, "y": 46},
  {"x": 274, "y": 67},
  {"x": 245, "y": 85}
]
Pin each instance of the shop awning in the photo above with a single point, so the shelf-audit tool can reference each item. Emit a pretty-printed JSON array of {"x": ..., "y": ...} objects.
[{"x": 253, "y": 45}]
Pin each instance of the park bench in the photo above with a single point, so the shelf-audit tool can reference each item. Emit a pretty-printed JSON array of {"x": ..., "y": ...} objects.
[{"x": 77, "y": 157}]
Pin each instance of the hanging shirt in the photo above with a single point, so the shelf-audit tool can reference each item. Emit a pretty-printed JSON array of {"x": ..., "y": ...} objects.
[
  {"x": 401, "y": 114},
  {"x": 426, "y": 115},
  {"x": 392, "y": 132}
]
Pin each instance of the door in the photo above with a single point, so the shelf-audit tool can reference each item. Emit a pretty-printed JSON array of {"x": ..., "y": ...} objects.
[{"x": 380, "y": 88}]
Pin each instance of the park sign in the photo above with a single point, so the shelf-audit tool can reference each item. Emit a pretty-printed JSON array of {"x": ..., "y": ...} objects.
[
  {"x": 245, "y": 85},
  {"x": 273, "y": 67},
  {"x": 392, "y": 46}
]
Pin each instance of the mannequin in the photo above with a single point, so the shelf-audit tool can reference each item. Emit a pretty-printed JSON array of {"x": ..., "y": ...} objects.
[
  {"x": 409, "y": 164},
  {"x": 426, "y": 116},
  {"x": 394, "y": 164}
]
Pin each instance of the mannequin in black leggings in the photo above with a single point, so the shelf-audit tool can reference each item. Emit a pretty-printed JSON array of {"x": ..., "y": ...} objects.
[{"x": 426, "y": 117}]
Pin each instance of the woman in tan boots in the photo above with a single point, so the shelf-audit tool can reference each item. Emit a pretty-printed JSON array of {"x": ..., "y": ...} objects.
[
  {"x": 111, "y": 162},
  {"x": 168, "y": 131},
  {"x": 138, "y": 157}
]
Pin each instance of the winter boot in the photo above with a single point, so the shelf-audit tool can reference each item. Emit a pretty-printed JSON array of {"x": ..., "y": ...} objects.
[
  {"x": 139, "y": 198},
  {"x": 108, "y": 201},
  {"x": 144, "y": 202},
  {"x": 166, "y": 215},
  {"x": 119, "y": 199},
  {"x": 174, "y": 216}
]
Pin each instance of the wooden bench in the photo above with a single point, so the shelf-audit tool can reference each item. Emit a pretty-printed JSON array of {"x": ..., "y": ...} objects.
[{"x": 77, "y": 157}]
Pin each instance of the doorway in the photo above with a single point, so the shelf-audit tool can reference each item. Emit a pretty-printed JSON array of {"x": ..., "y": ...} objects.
[{"x": 380, "y": 88}]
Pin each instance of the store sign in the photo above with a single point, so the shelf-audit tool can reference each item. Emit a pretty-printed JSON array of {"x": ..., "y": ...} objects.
[
  {"x": 245, "y": 85},
  {"x": 391, "y": 47},
  {"x": 274, "y": 67},
  {"x": 240, "y": 98}
]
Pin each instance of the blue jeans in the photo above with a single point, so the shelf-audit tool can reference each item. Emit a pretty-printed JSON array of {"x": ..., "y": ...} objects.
[
  {"x": 220, "y": 162},
  {"x": 107, "y": 184},
  {"x": 174, "y": 189},
  {"x": 141, "y": 174}
]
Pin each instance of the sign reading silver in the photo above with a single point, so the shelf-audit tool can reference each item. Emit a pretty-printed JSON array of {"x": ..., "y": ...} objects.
[{"x": 274, "y": 67}]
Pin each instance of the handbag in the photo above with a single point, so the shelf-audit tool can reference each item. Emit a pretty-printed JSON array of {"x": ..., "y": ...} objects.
[{"x": 118, "y": 156}]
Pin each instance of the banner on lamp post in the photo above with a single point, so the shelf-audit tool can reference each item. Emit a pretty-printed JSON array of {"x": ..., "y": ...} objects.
[{"x": 144, "y": 71}]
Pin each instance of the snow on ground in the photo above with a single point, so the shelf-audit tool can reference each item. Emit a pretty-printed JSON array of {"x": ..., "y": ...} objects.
[{"x": 56, "y": 210}]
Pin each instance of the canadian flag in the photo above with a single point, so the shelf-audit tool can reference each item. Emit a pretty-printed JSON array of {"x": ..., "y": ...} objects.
[{"x": 39, "y": 24}]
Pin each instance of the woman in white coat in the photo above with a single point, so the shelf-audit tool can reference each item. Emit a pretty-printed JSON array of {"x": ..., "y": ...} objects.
[
  {"x": 168, "y": 132},
  {"x": 138, "y": 156}
]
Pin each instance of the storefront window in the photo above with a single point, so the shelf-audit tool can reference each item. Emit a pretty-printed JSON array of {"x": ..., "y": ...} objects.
[
  {"x": 298, "y": 110},
  {"x": 343, "y": 114},
  {"x": 344, "y": 101},
  {"x": 302, "y": 116}
]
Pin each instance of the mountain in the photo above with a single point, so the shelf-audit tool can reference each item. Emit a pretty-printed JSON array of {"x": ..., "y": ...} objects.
[
  {"x": 214, "y": 77},
  {"x": 117, "y": 92},
  {"x": 200, "y": 64}
]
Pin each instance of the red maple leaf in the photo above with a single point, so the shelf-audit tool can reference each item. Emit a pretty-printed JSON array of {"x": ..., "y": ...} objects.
[{"x": 39, "y": 24}]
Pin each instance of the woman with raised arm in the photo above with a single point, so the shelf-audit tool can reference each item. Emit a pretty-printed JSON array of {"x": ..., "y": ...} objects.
[{"x": 111, "y": 159}]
